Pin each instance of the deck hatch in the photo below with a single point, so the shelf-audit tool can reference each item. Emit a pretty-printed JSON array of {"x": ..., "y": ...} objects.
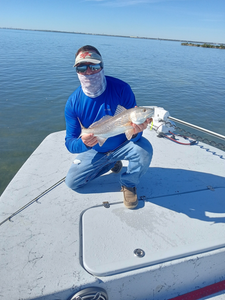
[{"x": 171, "y": 227}]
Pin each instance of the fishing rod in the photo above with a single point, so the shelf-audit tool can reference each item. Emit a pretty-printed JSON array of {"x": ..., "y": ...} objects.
[
  {"x": 51, "y": 188},
  {"x": 32, "y": 201}
]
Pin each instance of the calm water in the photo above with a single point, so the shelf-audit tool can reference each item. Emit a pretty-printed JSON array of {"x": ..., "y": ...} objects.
[{"x": 37, "y": 76}]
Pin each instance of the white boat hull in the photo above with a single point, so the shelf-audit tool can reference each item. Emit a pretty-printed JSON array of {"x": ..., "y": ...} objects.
[{"x": 68, "y": 241}]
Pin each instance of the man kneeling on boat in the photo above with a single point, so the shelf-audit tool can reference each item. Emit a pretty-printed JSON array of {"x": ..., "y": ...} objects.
[{"x": 97, "y": 98}]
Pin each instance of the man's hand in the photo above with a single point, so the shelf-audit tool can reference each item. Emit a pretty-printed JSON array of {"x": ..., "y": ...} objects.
[
  {"x": 89, "y": 140},
  {"x": 141, "y": 127}
]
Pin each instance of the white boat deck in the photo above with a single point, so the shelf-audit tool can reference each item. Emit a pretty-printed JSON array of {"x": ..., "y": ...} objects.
[{"x": 67, "y": 241}]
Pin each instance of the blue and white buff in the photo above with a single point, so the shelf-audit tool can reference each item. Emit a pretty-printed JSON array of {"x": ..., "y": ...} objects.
[{"x": 93, "y": 85}]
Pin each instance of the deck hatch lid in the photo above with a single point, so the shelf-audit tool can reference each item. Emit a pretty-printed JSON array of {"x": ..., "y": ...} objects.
[{"x": 177, "y": 226}]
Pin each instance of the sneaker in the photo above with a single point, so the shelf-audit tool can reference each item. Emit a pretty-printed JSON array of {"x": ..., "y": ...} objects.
[
  {"x": 130, "y": 197},
  {"x": 117, "y": 167}
]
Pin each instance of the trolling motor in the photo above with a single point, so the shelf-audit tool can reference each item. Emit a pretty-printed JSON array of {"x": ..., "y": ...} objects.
[
  {"x": 164, "y": 127},
  {"x": 161, "y": 123}
]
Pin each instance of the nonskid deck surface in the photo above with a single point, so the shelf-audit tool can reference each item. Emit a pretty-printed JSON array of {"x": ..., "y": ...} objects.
[{"x": 180, "y": 218}]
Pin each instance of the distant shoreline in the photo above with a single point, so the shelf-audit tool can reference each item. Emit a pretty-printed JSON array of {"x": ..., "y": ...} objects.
[
  {"x": 205, "y": 45},
  {"x": 113, "y": 35}
]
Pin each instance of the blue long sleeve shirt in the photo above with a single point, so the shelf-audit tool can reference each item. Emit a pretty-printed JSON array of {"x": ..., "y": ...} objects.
[{"x": 90, "y": 110}]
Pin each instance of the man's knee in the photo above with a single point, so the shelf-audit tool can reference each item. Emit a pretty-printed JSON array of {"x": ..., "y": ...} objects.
[
  {"x": 74, "y": 183},
  {"x": 74, "y": 180},
  {"x": 145, "y": 151}
]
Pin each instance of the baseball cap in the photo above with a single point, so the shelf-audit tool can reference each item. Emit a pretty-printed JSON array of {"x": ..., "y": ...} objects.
[{"x": 88, "y": 56}]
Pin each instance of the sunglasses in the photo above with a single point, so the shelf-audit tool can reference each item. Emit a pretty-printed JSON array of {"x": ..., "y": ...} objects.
[{"x": 83, "y": 68}]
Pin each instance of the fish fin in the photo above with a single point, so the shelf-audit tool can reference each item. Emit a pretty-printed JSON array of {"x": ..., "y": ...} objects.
[
  {"x": 129, "y": 133},
  {"x": 119, "y": 110},
  {"x": 82, "y": 127},
  {"x": 101, "y": 140},
  {"x": 128, "y": 124},
  {"x": 103, "y": 119}
]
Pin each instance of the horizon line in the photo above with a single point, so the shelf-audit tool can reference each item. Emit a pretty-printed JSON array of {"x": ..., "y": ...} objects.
[{"x": 111, "y": 35}]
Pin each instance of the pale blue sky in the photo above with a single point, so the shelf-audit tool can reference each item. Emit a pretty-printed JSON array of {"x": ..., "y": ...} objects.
[{"x": 195, "y": 20}]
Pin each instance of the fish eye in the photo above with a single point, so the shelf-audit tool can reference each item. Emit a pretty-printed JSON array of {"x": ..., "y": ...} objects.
[{"x": 144, "y": 110}]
